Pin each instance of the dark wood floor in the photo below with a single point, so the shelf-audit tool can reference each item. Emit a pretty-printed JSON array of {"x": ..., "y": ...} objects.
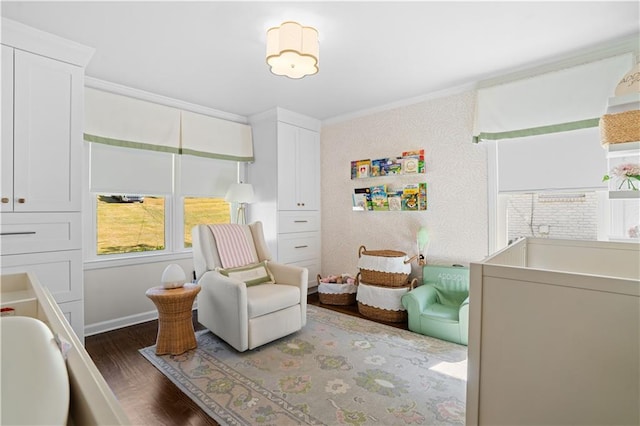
[{"x": 146, "y": 395}]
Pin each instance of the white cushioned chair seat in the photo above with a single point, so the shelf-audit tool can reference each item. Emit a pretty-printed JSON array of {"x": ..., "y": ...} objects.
[{"x": 266, "y": 298}]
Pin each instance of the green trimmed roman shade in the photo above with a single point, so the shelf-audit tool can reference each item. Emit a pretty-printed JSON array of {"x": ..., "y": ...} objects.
[
  {"x": 210, "y": 137},
  {"x": 126, "y": 122},
  {"x": 117, "y": 120},
  {"x": 565, "y": 100},
  {"x": 133, "y": 143}
]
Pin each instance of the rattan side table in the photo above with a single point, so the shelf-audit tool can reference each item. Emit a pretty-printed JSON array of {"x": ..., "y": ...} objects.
[{"x": 175, "y": 326}]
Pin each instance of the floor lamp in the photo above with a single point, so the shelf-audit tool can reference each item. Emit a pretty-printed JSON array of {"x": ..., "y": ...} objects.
[{"x": 240, "y": 193}]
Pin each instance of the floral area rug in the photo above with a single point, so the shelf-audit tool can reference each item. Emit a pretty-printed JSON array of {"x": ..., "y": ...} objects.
[{"x": 338, "y": 369}]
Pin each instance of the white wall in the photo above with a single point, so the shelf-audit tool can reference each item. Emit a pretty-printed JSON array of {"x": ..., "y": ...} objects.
[
  {"x": 456, "y": 176},
  {"x": 114, "y": 296}
]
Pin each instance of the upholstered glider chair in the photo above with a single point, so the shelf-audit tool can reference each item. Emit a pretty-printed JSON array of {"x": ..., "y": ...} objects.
[
  {"x": 440, "y": 306},
  {"x": 246, "y": 299}
]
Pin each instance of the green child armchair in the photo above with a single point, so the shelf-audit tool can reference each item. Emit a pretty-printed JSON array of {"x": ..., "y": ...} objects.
[{"x": 440, "y": 306}]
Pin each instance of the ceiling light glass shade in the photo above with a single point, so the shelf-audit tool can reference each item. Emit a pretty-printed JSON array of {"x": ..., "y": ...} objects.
[
  {"x": 239, "y": 193},
  {"x": 173, "y": 276},
  {"x": 293, "y": 50}
]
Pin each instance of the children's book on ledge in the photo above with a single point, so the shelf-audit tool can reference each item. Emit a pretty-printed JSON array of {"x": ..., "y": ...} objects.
[
  {"x": 411, "y": 162},
  {"x": 410, "y": 197}
]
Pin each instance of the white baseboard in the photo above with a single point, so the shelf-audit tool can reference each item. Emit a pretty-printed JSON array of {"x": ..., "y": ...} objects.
[
  {"x": 114, "y": 324},
  {"x": 104, "y": 326}
]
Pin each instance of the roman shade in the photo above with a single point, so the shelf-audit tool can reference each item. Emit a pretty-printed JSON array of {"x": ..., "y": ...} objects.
[
  {"x": 126, "y": 122},
  {"x": 559, "y": 101},
  {"x": 205, "y": 177},
  {"x": 130, "y": 123},
  {"x": 119, "y": 170},
  {"x": 212, "y": 137},
  {"x": 554, "y": 161}
]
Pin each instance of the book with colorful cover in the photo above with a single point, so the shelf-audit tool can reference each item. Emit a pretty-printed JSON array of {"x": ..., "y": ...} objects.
[
  {"x": 391, "y": 167},
  {"x": 394, "y": 198},
  {"x": 363, "y": 168},
  {"x": 379, "y": 199},
  {"x": 354, "y": 170},
  {"x": 362, "y": 199},
  {"x": 422, "y": 196},
  {"x": 410, "y": 197},
  {"x": 376, "y": 167},
  {"x": 413, "y": 161}
]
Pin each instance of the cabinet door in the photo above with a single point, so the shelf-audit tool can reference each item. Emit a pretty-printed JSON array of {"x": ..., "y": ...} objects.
[
  {"x": 287, "y": 165},
  {"x": 298, "y": 168},
  {"x": 47, "y": 134},
  {"x": 6, "y": 166},
  {"x": 308, "y": 169}
]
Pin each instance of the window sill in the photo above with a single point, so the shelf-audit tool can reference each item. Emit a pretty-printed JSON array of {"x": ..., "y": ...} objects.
[{"x": 142, "y": 259}]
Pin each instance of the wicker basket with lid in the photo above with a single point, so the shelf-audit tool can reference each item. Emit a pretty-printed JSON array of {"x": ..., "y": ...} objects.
[{"x": 387, "y": 268}]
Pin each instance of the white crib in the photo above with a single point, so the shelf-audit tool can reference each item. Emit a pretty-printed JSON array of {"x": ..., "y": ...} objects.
[{"x": 554, "y": 333}]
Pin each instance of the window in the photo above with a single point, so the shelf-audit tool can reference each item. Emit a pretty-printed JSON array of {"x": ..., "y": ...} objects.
[
  {"x": 136, "y": 210},
  {"x": 129, "y": 224},
  {"x": 198, "y": 210},
  {"x": 566, "y": 215},
  {"x": 155, "y": 171},
  {"x": 542, "y": 193}
]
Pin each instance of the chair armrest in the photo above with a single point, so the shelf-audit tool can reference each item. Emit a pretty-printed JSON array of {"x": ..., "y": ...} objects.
[
  {"x": 465, "y": 303},
  {"x": 294, "y": 276},
  {"x": 230, "y": 290},
  {"x": 419, "y": 298},
  {"x": 222, "y": 308},
  {"x": 289, "y": 274}
]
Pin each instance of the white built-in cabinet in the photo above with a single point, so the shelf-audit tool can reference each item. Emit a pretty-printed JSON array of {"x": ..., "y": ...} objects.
[
  {"x": 286, "y": 179},
  {"x": 42, "y": 116},
  {"x": 298, "y": 183}
]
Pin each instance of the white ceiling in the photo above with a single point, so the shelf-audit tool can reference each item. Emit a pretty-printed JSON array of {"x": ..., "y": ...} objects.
[{"x": 371, "y": 53}]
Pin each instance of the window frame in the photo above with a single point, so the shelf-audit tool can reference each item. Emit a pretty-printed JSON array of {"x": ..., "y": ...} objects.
[
  {"x": 497, "y": 205},
  {"x": 174, "y": 222}
]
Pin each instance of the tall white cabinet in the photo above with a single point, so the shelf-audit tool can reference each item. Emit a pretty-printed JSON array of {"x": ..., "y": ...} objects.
[
  {"x": 286, "y": 179},
  {"x": 42, "y": 107}
]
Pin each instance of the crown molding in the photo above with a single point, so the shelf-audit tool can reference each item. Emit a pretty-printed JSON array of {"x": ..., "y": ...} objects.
[
  {"x": 23, "y": 37},
  {"x": 119, "y": 89},
  {"x": 402, "y": 103}
]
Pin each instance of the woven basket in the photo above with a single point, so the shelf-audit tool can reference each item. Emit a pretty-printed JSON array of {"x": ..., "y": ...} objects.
[
  {"x": 620, "y": 128},
  {"x": 381, "y": 278},
  {"x": 342, "y": 299},
  {"x": 379, "y": 314}
]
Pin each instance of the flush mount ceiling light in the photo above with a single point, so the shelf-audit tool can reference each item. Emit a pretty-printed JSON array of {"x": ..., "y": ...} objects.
[{"x": 292, "y": 50}]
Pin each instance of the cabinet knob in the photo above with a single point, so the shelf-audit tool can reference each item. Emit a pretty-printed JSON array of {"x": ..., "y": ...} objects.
[
  {"x": 5, "y": 200},
  {"x": 21, "y": 200}
]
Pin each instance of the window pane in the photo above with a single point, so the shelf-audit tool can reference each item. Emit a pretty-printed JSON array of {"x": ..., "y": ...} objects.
[
  {"x": 129, "y": 223},
  {"x": 199, "y": 210},
  {"x": 556, "y": 214}
]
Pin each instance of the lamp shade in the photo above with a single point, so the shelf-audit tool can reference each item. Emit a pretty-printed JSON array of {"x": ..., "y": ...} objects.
[
  {"x": 239, "y": 193},
  {"x": 293, "y": 50},
  {"x": 173, "y": 276}
]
